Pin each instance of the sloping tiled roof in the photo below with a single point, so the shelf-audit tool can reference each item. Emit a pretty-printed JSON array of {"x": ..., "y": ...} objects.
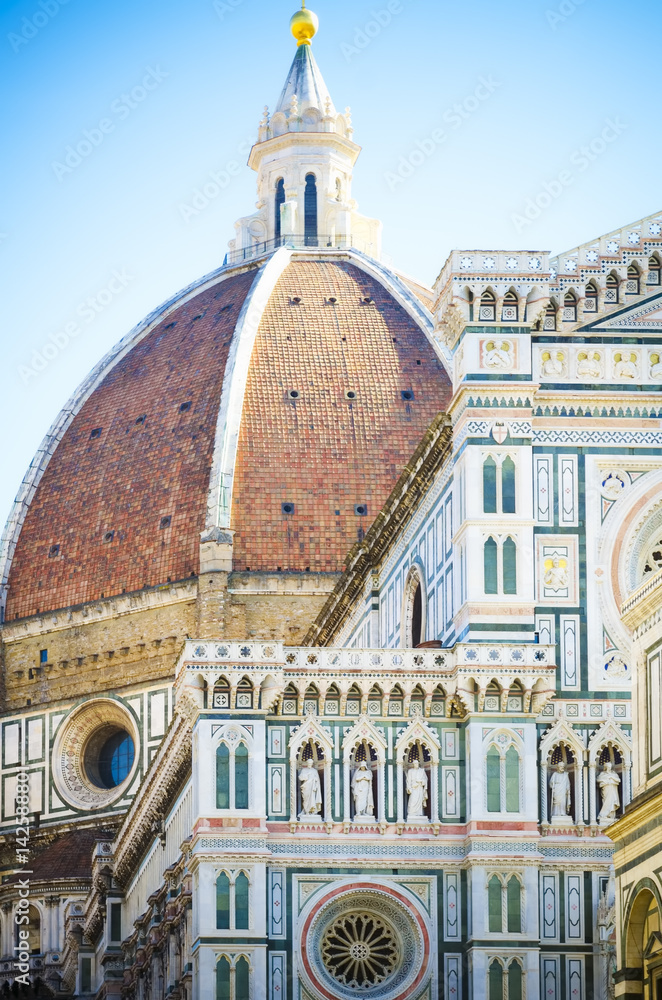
[
  {"x": 133, "y": 474},
  {"x": 323, "y": 452},
  {"x": 69, "y": 857},
  {"x": 115, "y": 477}
]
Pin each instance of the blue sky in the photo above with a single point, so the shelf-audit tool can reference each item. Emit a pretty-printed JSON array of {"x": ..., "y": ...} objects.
[{"x": 518, "y": 89}]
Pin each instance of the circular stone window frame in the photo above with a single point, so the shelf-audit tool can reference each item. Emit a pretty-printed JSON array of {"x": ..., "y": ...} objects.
[
  {"x": 72, "y": 782},
  {"x": 390, "y": 904}
]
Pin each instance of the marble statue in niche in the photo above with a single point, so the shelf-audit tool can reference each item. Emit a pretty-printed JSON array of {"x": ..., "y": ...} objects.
[
  {"x": 311, "y": 790},
  {"x": 417, "y": 791},
  {"x": 609, "y": 784},
  {"x": 559, "y": 784},
  {"x": 364, "y": 804}
]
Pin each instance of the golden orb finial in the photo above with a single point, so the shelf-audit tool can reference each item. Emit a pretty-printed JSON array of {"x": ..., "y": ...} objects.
[{"x": 304, "y": 25}]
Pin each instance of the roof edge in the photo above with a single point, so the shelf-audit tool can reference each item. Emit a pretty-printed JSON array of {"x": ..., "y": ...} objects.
[{"x": 72, "y": 407}]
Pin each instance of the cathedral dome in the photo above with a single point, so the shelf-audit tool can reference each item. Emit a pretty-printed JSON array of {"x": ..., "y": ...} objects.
[{"x": 272, "y": 404}]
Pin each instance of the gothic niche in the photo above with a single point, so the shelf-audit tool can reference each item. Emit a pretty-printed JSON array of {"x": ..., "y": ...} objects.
[
  {"x": 417, "y": 785},
  {"x": 414, "y": 609},
  {"x": 310, "y": 782},
  {"x": 609, "y": 785},
  {"x": 561, "y": 785},
  {"x": 364, "y": 785}
]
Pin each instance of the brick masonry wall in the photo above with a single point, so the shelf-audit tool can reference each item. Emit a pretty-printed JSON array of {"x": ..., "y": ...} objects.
[
  {"x": 323, "y": 452},
  {"x": 133, "y": 474},
  {"x": 106, "y": 655}
]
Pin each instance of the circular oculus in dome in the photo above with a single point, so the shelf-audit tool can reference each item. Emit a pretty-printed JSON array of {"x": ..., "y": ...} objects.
[
  {"x": 366, "y": 941},
  {"x": 95, "y": 754}
]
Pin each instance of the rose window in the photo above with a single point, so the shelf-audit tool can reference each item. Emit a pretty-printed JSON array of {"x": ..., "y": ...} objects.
[
  {"x": 360, "y": 950},
  {"x": 366, "y": 941}
]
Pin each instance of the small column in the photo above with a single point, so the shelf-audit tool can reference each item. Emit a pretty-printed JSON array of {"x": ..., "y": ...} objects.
[
  {"x": 400, "y": 795},
  {"x": 579, "y": 795},
  {"x": 434, "y": 794},
  {"x": 543, "y": 792},
  {"x": 591, "y": 793},
  {"x": 627, "y": 784},
  {"x": 346, "y": 807},
  {"x": 585, "y": 787}
]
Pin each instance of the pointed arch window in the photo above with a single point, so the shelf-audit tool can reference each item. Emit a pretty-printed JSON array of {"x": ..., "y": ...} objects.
[
  {"x": 499, "y": 485},
  {"x": 223, "y": 902},
  {"x": 500, "y": 566},
  {"x": 654, "y": 270},
  {"x": 503, "y": 778},
  {"x": 310, "y": 211},
  {"x": 242, "y": 980},
  {"x": 489, "y": 486},
  {"x": 515, "y": 981},
  {"x": 233, "y": 978},
  {"x": 505, "y": 983},
  {"x": 570, "y": 308},
  {"x": 514, "y": 905},
  {"x": 504, "y": 904},
  {"x": 509, "y": 566},
  {"x": 508, "y": 486},
  {"x": 495, "y": 980},
  {"x": 611, "y": 292},
  {"x": 632, "y": 285},
  {"x": 279, "y": 201},
  {"x": 232, "y": 902},
  {"x": 232, "y": 776},
  {"x": 223, "y": 979},
  {"x": 490, "y": 568},
  {"x": 591, "y": 298},
  {"x": 495, "y": 905},
  {"x": 241, "y": 912}
]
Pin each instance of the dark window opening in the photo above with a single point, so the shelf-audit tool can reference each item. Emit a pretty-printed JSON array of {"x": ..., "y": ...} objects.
[
  {"x": 310, "y": 211},
  {"x": 361, "y": 509},
  {"x": 287, "y": 508},
  {"x": 109, "y": 757},
  {"x": 185, "y": 406},
  {"x": 166, "y": 521},
  {"x": 280, "y": 200},
  {"x": 53, "y": 551},
  {"x": 407, "y": 393},
  {"x": 417, "y": 617},
  {"x": 43, "y": 656},
  {"x": 96, "y": 432},
  {"x": 141, "y": 419},
  {"x": 108, "y": 537},
  {"x": 115, "y": 921}
]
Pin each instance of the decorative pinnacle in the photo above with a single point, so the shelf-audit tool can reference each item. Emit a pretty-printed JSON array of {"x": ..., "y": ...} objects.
[{"x": 304, "y": 25}]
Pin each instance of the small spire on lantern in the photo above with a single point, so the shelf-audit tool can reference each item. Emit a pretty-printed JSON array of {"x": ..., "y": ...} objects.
[{"x": 304, "y": 25}]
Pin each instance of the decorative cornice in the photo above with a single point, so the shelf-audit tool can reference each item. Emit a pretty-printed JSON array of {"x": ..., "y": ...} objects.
[{"x": 167, "y": 774}]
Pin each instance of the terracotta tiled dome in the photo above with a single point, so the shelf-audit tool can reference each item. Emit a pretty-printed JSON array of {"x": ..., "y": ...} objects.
[{"x": 339, "y": 388}]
